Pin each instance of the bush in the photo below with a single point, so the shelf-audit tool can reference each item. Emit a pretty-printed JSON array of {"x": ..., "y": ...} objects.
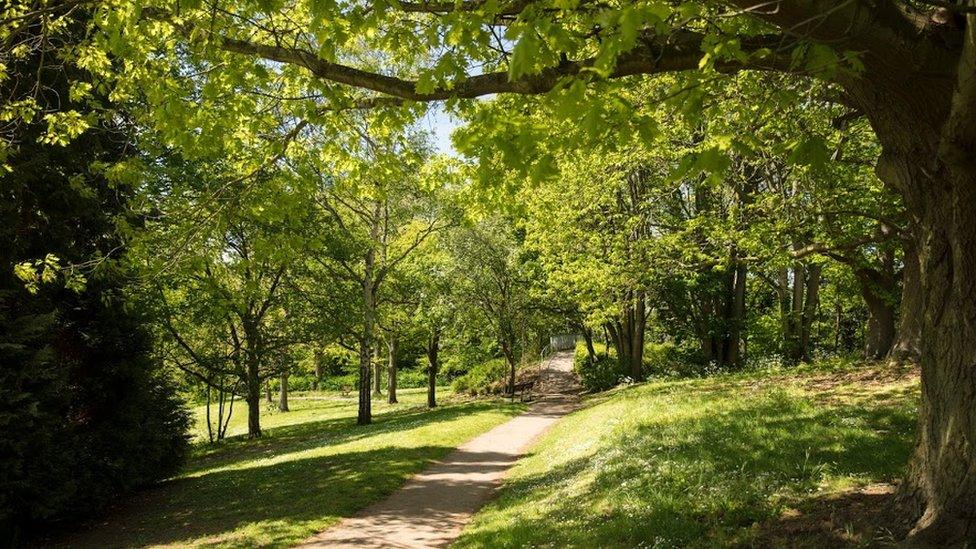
[
  {"x": 85, "y": 413},
  {"x": 599, "y": 375},
  {"x": 485, "y": 378},
  {"x": 411, "y": 379}
]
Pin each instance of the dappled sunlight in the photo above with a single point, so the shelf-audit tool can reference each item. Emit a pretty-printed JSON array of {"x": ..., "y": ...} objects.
[
  {"x": 669, "y": 467},
  {"x": 296, "y": 481}
]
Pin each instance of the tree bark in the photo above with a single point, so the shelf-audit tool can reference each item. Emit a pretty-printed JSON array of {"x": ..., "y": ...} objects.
[
  {"x": 510, "y": 358},
  {"x": 907, "y": 336},
  {"x": 253, "y": 397},
  {"x": 783, "y": 293},
  {"x": 811, "y": 302},
  {"x": 639, "y": 324},
  {"x": 318, "y": 369},
  {"x": 590, "y": 350},
  {"x": 391, "y": 384},
  {"x": 738, "y": 316},
  {"x": 365, "y": 412},
  {"x": 377, "y": 373},
  {"x": 876, "y": 289},
  {"x": 796, "y": 312},
  {"x": 433, "y": 348},
  {"x": 283, "y": 393},
  {"x": 927, "y": 129}
]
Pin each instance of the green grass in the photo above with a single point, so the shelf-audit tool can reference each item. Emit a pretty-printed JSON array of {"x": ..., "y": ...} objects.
[
  {"x": 308, "y": 406},
  {"x": 313, "y": 467},
  {"x": 702, "y": 462}
]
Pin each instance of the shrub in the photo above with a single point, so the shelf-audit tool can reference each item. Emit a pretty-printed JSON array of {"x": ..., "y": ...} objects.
[
  {"x": 485, "y": 378},
  {"x": 85, "y": 413},
  {"x": 600, "y": 374}
]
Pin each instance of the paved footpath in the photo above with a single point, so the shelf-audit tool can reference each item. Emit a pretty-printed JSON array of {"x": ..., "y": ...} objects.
[{"x": 433, "y": 507}]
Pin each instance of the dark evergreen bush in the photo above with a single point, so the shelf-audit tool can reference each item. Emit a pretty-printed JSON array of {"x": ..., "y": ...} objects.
[{"x": 85, "y": 412}]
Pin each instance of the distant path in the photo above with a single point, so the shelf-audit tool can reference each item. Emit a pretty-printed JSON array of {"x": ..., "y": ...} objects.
[{"x": 433, "y": 507}]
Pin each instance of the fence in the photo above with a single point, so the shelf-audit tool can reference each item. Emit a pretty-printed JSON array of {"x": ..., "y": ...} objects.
[{"x": 563, "y": 342}]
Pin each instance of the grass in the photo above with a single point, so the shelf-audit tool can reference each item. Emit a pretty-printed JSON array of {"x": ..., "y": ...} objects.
[
  {"x": 312, "y": 467},
  {"x": 711, "y": 462}
]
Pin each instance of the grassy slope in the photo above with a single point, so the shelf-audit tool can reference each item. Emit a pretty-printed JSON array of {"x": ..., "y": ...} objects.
[
  {"x": 709, "y": 462},
  {"x": 313, "y": 467}
]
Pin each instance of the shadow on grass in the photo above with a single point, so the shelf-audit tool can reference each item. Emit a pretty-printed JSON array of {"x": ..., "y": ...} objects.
[
  {"x": 269, "y": 503},
  {"x": 313, "y": 434},
  {"x": 869, "y": 516},
  {"x": 705, "y": 480},
  {"x": 282, "y": 500}
]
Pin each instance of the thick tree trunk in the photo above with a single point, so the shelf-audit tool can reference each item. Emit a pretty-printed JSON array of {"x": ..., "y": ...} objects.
[
  {"x": 433, "y": 348},
  {"x": 876, "y": 289},
  {"x": 880, "y": 331},
  {"x": 942, "y": 472},
  {"x": 391, "y": 383},
  {"x": 283, "y": 393},
  {"x": 927, "y": 129},
  {"x": 907, "y": 336}
]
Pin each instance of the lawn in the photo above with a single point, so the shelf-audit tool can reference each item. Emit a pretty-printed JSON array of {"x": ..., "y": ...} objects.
[
  {"x": 780, "y": 458},
  {"x": 313, "y": 467}
]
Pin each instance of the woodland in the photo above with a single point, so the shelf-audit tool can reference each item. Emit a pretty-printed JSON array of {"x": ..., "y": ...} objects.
[{"x": 219, "y": 217}]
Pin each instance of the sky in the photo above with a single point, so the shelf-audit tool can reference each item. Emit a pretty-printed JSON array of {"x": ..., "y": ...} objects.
[{"x": 440, "y": 125}]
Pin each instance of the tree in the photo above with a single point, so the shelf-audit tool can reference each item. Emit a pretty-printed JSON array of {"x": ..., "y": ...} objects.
[
  {"x": 87, "y": 413},
  {"x": 908, "y": 70},
  {"x": 493, "y": 284},
  {"x": 384, "y": 206},
  {"x": 221, "y": 287}
]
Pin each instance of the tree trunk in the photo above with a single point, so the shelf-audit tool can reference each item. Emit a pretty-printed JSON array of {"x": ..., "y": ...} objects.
[
  {"x": 783, "y": 293},
  {"x": 942, "y": 471},
  {"x": 253, "y": 397},
  {"x": 618, "y": 339},
  {"x": 906, "y": 344},
  {"x": 510, "y": 358},
  {"x": 268, "y": 393},
  {"x": 590, "y": 350},
  {"x": 738, "y": 314},
  {"x": 880, "y": 330},
  {"x": 927, "y": 129},
  {"x": 365, "y": 412},
  {"x": 811, "y": 302},
  {"x": 433, "y": 347},
  {"x": 377, "y": 372},
  {"x": 637, "y": 338},
  {"x": 283, "y": 393},
  {"x": 876, "y": 289},
  {"x": 391, "y": 384},
  {"x": 319, "y": 357},
  {"x": 796, "y": 312}
]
